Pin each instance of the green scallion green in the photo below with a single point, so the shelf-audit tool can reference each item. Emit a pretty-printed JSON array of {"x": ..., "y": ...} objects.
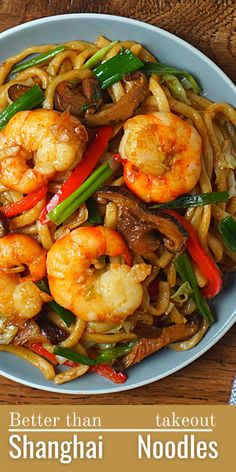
[
  {"x": 189, "y": 201},
  {"x": 113, "y": 70},
  {"x": 65, "y": 209},
  {"x": 182, "y": 294},
  {"x": 176, "y": 88},
  {"x": 73, "y": 356},
  {"x": 94, "y": 217},
  {"x": 105, "y": 356},
  {"x": 227, "y": 229},
  {"x": 27, "y": 101},
  {"x": 110, "y": 353},
  {"x": 159, "y": 68},
  {"x": 40, "y": 59},
  {"x": 185, "y": 271},
  {"x": 98, "y": 56},
  {"x": 64, "y": 314}
]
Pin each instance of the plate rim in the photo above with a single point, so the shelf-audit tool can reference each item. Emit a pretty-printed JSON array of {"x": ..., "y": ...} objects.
[
  {"x": 122, "y": 387},
  {"x": 48, "y": 19},
  {"x": 229, "y": 82}
]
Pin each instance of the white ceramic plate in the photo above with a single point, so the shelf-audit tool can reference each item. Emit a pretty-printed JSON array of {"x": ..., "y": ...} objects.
[{"x": 174, "y": 51}]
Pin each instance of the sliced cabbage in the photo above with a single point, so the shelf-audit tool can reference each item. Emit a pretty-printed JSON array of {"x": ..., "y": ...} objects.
[
  {"x": 229, "y": 155},
  {"x": 182, "y": 294},
  {"x": 231, "y": 184},
  {"x": 7, "y": 333}
]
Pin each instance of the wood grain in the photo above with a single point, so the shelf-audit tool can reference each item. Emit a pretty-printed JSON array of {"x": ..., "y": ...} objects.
[{"x": 210, "y": 26}]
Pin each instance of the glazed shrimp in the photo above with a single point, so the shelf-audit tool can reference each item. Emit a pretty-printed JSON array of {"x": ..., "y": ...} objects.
[
  {"x": 36, "y": 144},
  {"x": 21, "y": 249},
  {"x": 20, "y": 297},
  {"x": 94, "y": 291},
  {"x": 162, "y": 156}
]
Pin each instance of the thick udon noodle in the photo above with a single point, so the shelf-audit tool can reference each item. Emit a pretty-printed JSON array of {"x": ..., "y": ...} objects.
[{"x": 214, "y": 122}]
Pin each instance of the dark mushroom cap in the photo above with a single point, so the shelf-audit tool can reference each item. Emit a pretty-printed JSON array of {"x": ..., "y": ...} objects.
[
  {"x": 140, "y": 226},
  {"x": 4, "y": 225}
]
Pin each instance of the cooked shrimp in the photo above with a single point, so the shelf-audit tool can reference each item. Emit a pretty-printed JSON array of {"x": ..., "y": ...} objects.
[
  {"x": 80, "y": 281},
  {"x": 21, "y": 249},
  {"x": 162, "y": 155},
  {"x": 36, "y": 144},
  {"x": 20, "y": 297}
]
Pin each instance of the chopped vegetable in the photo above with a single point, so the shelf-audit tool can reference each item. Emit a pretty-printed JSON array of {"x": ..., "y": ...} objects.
[
  {"x": 106, "y": 355},
  {"x": 7, "y": 333},
  {"x": 189, "y": 201},
  {"x": 107, "y": 371},
  {"x": 73, "y": 356},
  {"x": 185, "y": 271},
  {"x": 64, "y": 314},
  {"x": 87, "y": 106},
  {"x": 205, "y": 263},
  {"x": 27, "y": 101},
  {"x": 176, "y": 88},
  {"x": 82, "y": 171},
  {"x": 227, "y": 229},
  {"x": 182, "y": 294},
  {"x": 98, "y": 56},
  {"x": 39, "y": 349},
  {"x": 111, "y": 353},
  {"x": 113, "y": 70},
  {"x": 40, "y": 59},
  {"x": 26, "y": 203},
  {"x": 50, "y": 356},
  {"x": 159, "y": 68},
  {"x": 73, "y": 202},
  {"x": 94, "y": 217}
]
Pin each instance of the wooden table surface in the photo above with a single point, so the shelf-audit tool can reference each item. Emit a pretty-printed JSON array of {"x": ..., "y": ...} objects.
[{"x": 208, "y": 25}]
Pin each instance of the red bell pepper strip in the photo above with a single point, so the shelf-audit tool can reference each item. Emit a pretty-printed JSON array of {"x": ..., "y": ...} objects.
[
  {"x": 205, "y": 263},
  {"x": 105, "y": 370},
  {"x": 26, "y": 203},
  {"x": 39, "y": 349},
  {"x": 81, "y": 172},
  {"x": 50, "y": 356}
]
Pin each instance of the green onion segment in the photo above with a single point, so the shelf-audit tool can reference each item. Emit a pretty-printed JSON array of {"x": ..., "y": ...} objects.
[
  {"x": 159, "y": 68},
  {"x": 98, "y": 56},
  {"x": 27, "y": 101},
  {"x": 94, "y": 217},
  {"x": 189, "y": 201},
  {"x": 105, "y": 356},
  {"x": 113, "y": 70},
  {"x": 64, "y": 314},
  {"x": 65, "y": 209},
  {"x": 40, "y": 59},
  {"x": 185, "y": 271},
  {"x": 227, "y": 229}
]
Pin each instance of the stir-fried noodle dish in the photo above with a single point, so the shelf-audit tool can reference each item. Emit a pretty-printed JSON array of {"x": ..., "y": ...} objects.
[{"x": 118, "y": 204}]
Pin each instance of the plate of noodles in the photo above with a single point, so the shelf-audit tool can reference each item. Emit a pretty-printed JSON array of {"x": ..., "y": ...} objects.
[{"x": 117, "y": 204}]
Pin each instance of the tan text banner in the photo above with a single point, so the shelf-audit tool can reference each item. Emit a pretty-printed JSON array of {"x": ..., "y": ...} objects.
[{"x": 117, "y": 438}]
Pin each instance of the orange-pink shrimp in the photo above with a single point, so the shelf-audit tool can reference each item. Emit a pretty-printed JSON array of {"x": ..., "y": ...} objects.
[
  {"x": 36, "y": 144},
  {"x": 162, "y": 156},
  {"x": 21, "y": 249},
  {"x": 81, "y": 281},
  {"x": 20, "y": 297}
]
